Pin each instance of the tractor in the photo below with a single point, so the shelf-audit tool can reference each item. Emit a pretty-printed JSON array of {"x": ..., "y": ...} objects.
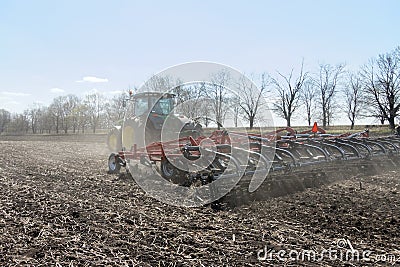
[
  {"x": 253, "y": 166},
  {"x": 145, "y": 113}
]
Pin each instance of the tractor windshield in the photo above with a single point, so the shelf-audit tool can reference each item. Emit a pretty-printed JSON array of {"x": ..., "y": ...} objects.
[
  {"x": 164, "y": 105},
  {"x": 161, "y": 106},
  {"x": 141, "y": 106}
]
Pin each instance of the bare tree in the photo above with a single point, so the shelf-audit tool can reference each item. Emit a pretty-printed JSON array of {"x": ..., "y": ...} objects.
[
  {"x": 95, "y": 108},
  {"x": 307, "y": 97},
  {"x": 236, "y": 108},
  {"x": 83, "y": 116},
  {"x": 190, "y": 99},
  {"x": 57, "y": 113},
  {"x": 288, "y": 93},
  {"x": 159, "y": 83},
  {"x": 218, "y": 92},
  {"x": 327, "y": 84},
  {"x": 70, "y": 102},
  {"x": 44, "y": 120},
  {"x": 206, "y": 113},
  {"x": 377, "y": 114},
  {"x": 115, "y": 109},
  {"x": 354, "y": 98},
  {"x": 250, "y": 99},
  {"x": 33, "y": 115},
  {"x": 19, "y": 123},
  {"x": 382, "y": 85},
  {"x": 5, "y": 118}
]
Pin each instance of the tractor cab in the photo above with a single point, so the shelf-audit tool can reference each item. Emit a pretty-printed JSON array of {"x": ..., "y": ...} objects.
[
  {"x": 145, "y": 119},
  {"x": 153, "y": 103},
  {"x": 152, "y": 107}
]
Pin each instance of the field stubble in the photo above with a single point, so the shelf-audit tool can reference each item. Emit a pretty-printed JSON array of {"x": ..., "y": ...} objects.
[{"x": 58, "y": 205}]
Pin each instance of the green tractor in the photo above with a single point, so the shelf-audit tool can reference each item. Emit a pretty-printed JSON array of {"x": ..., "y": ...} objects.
[{"x": 146, "y": 116}]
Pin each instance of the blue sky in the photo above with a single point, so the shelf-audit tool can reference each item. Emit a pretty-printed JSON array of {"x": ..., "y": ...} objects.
[{"x": 47, "y": 46}]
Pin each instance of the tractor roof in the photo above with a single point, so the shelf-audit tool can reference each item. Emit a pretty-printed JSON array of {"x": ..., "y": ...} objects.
[{"x": 157, "y": 94}]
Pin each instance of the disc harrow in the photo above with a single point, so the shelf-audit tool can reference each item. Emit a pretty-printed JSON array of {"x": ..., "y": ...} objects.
[{"x": 269, "y": 165}]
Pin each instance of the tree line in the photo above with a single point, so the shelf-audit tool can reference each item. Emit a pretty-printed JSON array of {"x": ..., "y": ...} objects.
[
  {"x": 66, "y": 114},
  {"x": 321, "y": 95},
  {"x": 372, "y": 91}
]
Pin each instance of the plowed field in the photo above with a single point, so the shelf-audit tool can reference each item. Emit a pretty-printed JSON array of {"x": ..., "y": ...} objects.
[{"x": 58, "y": 206}]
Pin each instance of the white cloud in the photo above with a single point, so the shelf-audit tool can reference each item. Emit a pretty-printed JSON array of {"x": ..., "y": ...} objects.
[
  {"x": 92, "y": 79},
  {"x": 10, "y": 94},
  {"x": 57, "y": 90}
]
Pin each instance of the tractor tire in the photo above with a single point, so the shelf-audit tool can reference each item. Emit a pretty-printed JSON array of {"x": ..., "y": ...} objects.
[
  {"x": 114, "y": 141},
  {"x": 113, "y": 164},
  {"x": 130, "y": 130}
]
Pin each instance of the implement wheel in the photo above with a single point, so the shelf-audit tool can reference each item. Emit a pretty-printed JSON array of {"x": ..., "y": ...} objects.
[
  {"x": 113, "y": 164},
  {"x": 168, "y": 171},
  {"x": 172, "y": 173}
]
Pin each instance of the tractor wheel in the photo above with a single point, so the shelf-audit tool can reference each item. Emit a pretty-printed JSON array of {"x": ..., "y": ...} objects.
[
  {"x": 114, "y": 141},
  {"x": 130, "y": 129},
  {"x": 113, "y": 164}
]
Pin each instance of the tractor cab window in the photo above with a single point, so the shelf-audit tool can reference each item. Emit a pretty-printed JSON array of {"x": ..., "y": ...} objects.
[
  {"x": 141, "y": 106},
  {"x": 164, "y": 106}
]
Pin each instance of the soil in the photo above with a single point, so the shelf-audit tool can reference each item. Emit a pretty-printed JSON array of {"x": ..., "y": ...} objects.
[{"x": 58, "y": 206}]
